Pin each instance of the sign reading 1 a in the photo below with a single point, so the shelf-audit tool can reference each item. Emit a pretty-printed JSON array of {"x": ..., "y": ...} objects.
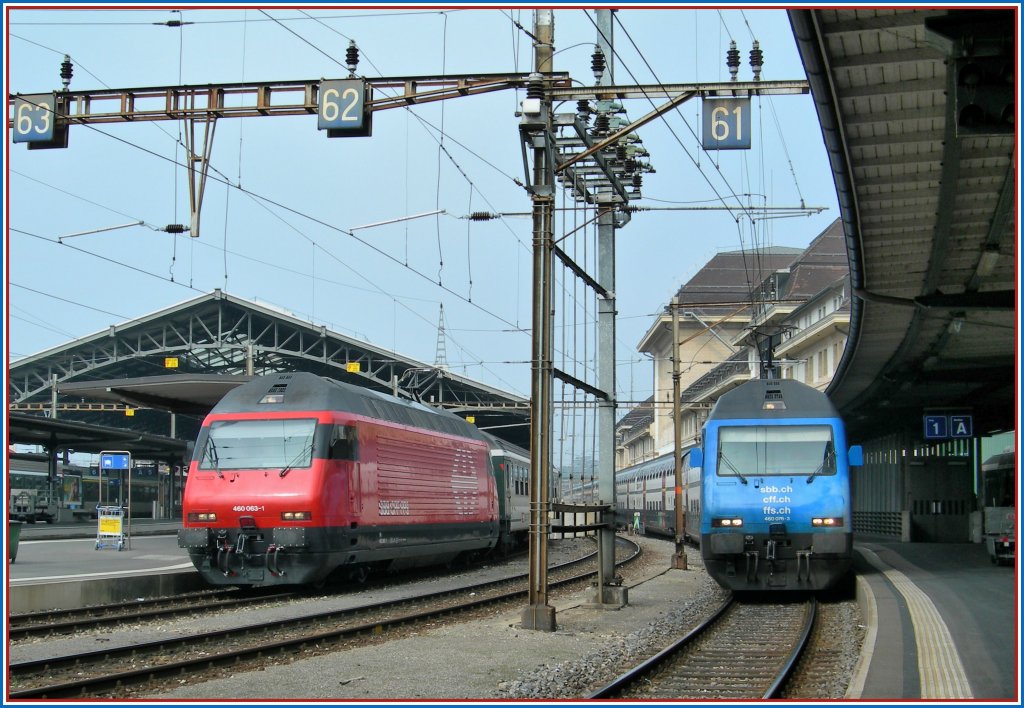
[
  {"x": 726, "y": 123},
  {"x": 344, "y": 108}
]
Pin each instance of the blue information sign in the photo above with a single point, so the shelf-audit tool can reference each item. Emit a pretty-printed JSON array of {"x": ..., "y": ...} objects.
[
  {"x": 936, "y": 427},
  {"x": 954, "y": 425},
  {"x": 726, "y": 123},
  {"x": 343, "y": 108},
  {"x": 114, "y": 461},
  {"x": 34, "y": 118},
  {"x": 961, "y": 426}
]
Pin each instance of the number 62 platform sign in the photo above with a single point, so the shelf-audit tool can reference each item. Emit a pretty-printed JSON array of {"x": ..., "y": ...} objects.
[
  {"x": 344, "y": 108},
  {"x": 726, "y": 123}
]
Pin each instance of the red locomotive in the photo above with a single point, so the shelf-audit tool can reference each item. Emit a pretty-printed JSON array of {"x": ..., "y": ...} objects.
[{"x": 296, "y": 477}]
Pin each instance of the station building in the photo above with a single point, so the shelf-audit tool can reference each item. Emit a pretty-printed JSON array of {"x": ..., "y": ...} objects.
[{"x": 794, "y": 318}]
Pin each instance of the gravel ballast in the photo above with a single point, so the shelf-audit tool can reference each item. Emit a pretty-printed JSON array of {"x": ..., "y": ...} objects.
[{"x": 494, "y": 658}]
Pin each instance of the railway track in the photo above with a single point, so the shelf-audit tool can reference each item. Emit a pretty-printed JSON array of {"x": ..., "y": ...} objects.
[
  {"x": 743, "y": 651},
  {"x": 68, "y": 621},
  {"x": 30, "y": 625},
  {"x": 98, "y": 673}
]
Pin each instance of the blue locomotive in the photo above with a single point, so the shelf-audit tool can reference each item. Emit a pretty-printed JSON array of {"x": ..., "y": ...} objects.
[{"x": 775, "y": 489}]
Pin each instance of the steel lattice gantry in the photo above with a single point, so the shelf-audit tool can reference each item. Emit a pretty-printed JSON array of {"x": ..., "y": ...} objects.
[{"x": 219, "y": 334}]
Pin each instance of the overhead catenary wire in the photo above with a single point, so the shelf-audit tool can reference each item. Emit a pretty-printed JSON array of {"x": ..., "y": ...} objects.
[
  {"x": 177, "y": 163},
  {"x": 354, "y": 16},
  {"x": 264, "y": 201},
  {"x": 664, "y": 119},
  {"x": 440, "y": 137},
  {"x": 746, "y": 211}
]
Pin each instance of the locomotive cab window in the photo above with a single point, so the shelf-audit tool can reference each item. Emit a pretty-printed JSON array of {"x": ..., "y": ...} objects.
[
  {"x": 258, "y": 444},
  {"x": 784, "y": 450},
  {"x": 998, "y": 489},
  {"x": 344, "y": 443}
]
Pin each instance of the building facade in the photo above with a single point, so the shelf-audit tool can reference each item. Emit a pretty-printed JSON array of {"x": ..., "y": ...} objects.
[{"x": 745, "y": 312}]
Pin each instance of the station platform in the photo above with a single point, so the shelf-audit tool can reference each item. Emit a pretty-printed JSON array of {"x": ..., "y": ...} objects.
[
  {"x": 942, "y": 623},
  {"x": 59, "y": 566}
]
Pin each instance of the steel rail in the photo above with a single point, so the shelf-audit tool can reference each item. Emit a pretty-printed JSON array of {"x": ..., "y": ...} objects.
[
  {"x": 73, "y": 620},
  {"x": 619, "y": 683},
  {"x": 643, "y": 671},
  {"x": 98, "y": 684}
]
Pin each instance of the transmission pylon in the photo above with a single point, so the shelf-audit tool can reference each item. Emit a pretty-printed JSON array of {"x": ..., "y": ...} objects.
[{"x": 440, "y": 354}]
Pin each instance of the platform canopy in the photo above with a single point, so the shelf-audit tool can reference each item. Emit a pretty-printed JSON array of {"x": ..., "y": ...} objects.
[
  {"x": 916, "y": 107},
  {"x": 159, "y": 374}
]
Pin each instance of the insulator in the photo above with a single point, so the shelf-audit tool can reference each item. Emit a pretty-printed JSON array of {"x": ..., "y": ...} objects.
[
  {"x": 352, "y": 57},
  {"x": 482, "y": 216},
  {"x": 601, "y": 124},
  {"x": 583, "y": 110},
  {"x": 732, "y": 60},
  {"x": 66, "y": 70},
  {"x": 535, "y": 86},
  {"x": 620, "y": 152},
  {"x": 597, "y": 63},
  {"x": 638, "y": 180},
  {"x": 630, "y": 164},
  {"x": 756, "y": 60},
  {"x": 175, "y": 228}
]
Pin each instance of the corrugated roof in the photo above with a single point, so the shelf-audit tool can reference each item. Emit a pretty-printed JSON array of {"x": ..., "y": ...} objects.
[
  {"x": 927, "y": 201},
  {"x": 730, "y": 276}
]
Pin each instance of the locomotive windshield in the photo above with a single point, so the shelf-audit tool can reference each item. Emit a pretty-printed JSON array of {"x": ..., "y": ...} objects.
[
  {"x": 999, "y": 487},
  {"x": 791, "y": 450},
  {"x": 258, "y": 444}
]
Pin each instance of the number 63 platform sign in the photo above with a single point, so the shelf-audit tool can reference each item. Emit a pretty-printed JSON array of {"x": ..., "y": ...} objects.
[
  {"x": 38, "y": 122},
  {"x": 726, "y": 123},
  {"x": 344, "y": 108}
]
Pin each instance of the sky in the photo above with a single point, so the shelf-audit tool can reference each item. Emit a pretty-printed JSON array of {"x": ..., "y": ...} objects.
[{"x": 286, "y": 238}]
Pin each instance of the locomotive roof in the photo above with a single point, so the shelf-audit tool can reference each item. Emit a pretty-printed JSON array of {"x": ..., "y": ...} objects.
[
  {"x": 747, "y": 401},
  {"x": 301, "y": 391},
  {"x": 1003, "y": 459}
]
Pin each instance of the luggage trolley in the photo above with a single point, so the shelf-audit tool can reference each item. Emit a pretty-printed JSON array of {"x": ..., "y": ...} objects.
[
  {"x": 110, "y": 527},
  {"x": 111, "y": 519}
]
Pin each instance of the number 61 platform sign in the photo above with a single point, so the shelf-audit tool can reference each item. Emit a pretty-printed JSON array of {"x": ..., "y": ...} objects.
[
  {"x": 344, "y": 108},
  {"x": 726, "y": 123}
]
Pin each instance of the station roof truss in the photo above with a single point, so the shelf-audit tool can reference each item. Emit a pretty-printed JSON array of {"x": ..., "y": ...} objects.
[
  {"x": 184, "y": 358},
  {"x": 58, "y": 434},
  {"x": 927, "y": 203}
]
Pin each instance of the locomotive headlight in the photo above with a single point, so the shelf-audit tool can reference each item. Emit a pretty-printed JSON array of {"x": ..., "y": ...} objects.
[
  {"x": 726, "y": 523},
  {"x": 296, "y": 516},
  {"x": 201, "y": 516},
  {"x": 827, "y": 521}
]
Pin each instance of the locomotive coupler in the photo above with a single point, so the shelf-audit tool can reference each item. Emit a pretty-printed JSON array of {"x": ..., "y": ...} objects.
[
  {"x": 271, "y": 560},
  {"x": 223, "y": 558},
  {"x": 224, "y": 550},
  {"x": 769, "y": 555},
  {"x": 752, "y": 558},
  {"x": 803, "y": 559}
]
